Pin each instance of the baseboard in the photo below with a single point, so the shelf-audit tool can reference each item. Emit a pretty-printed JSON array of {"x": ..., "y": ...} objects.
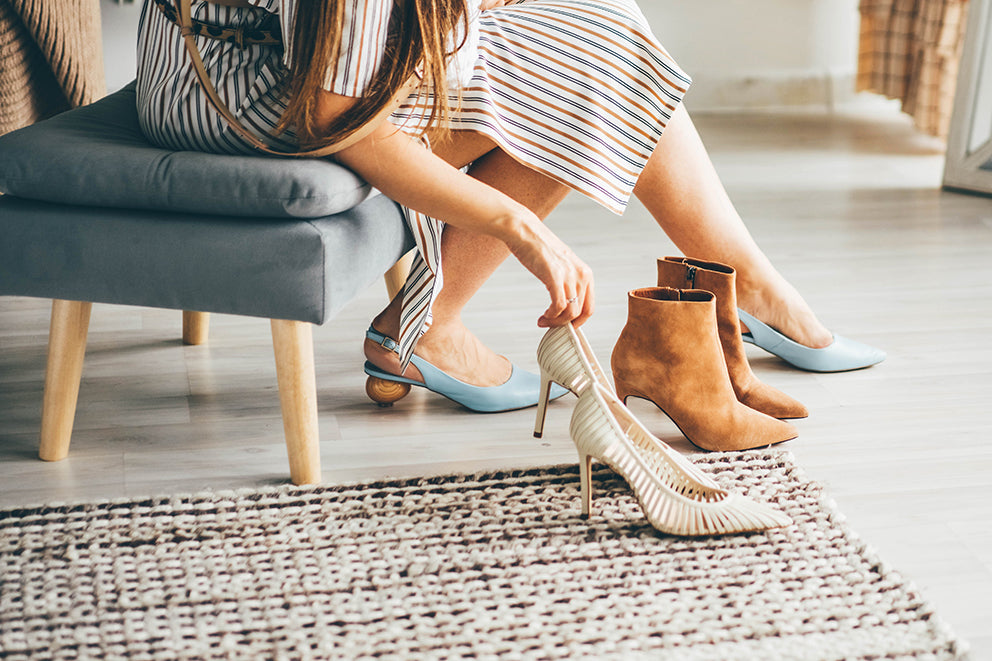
[{"x": 815, "y": 90}]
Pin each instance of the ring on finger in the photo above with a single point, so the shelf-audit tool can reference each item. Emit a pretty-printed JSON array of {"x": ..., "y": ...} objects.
[{"x": 572, "y": 300}]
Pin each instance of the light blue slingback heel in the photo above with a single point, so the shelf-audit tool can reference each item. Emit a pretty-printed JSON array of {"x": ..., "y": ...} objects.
[
  {"x": 520, "y": 391},
  {"x": 841, "y": 355}
]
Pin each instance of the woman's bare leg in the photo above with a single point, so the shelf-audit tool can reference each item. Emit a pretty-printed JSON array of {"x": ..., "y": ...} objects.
[
  {"x": 468, "y": 259},
  {"x": 681, "y": 189}
]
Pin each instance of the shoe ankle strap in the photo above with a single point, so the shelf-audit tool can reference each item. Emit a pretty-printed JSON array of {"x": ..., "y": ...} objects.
[{"x": 387, "y": 343}]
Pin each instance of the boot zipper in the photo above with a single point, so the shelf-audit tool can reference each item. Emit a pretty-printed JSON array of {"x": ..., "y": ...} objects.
[{"x": 690, "y": 276}]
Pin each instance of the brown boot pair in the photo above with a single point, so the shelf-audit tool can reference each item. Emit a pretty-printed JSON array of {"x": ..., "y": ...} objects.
[{"x": 682, "y": 350}]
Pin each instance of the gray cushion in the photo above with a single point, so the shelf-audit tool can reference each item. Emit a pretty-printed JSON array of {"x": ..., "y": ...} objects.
[
  {"x": 304, "y": 270},
  {"x": 97, "y": 155}
]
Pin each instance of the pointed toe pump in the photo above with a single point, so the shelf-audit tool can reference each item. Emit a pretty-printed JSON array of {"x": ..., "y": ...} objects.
[
  {"x": 669, "y": 353},
  {"x": 520, "y": 391},
  {"x": 720, "y": 280},
  {"x": 842, "y": 355},
  {"x": 674, "y": 500}
]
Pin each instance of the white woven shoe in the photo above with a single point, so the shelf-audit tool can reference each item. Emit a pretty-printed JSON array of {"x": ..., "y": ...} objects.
[
  {"x": 676, "y": 499},
  {"x": 565, "y": 358}
]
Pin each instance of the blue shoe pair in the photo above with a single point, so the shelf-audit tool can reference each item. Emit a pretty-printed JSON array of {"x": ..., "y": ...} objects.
[
  {"x": 841, "y": 355},
  {"x": 520, "y": 391}
]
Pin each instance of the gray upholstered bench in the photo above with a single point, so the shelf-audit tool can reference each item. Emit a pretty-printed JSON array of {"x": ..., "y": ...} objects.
[{"x": 92, "y": 213}]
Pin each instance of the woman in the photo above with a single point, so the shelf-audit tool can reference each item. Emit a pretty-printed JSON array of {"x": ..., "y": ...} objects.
[{"x": 534, "y": 98}]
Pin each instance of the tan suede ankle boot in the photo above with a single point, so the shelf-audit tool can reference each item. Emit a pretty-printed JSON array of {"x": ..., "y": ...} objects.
[
  {"x": 686, "y": 273},
  {"x": 669, "y": 353}
]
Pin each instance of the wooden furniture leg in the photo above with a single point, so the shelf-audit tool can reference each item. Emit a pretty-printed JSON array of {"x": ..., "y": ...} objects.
[
  {"x": 196, "y": 327},
  {"x": 396, "y": 275},
  {"x": 292, "y": 342},
  {"x": 66, "y": 347}
]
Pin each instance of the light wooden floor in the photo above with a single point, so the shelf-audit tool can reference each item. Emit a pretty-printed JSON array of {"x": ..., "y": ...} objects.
[{"x": 848, "y": 207}]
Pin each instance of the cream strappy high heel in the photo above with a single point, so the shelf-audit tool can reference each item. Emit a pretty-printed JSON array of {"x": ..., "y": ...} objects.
[
  {"x": 674, "y": 500},
  {"x": 681, "y": 497},
  {"x": 565, "y": 358}
]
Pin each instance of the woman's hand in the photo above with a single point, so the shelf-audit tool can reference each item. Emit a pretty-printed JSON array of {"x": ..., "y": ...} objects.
[
  {"x": 492, "y": 4},
  {"x": 568, "y": 279},
  {"x": 407, "y": 173}
]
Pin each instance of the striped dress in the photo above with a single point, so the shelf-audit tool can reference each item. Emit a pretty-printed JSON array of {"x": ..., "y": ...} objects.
[{"x": 579, "y": 90}]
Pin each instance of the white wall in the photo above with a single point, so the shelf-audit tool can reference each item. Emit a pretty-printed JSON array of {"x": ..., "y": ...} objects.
[
  {"x": 760, "y": 52},
  {"x": 120, "y": 30},
  {"x": 750, "y": 54}
]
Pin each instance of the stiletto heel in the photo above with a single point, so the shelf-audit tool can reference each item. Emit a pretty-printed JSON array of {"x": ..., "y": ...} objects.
[
  {"x": 671, "y": 494},
  {"x": 543, "y": 395},
  {"x": 585, "y": 483}
]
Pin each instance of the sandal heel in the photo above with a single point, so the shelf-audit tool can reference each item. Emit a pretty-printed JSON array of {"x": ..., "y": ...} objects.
[
  {"x": 566, "y": 360},
  {"x": 384, "y": 392}
]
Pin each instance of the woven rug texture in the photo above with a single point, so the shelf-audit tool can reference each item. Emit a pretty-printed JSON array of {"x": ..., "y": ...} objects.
[{"x": 493, "y": 565}]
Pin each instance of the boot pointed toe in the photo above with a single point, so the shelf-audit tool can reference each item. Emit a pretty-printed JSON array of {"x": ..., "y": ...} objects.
[
  {"x": 773, "y": 402},
  {"x": 669, "y": 353}
]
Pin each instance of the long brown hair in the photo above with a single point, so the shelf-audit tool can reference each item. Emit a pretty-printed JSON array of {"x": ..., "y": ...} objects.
[{"x": 418, "y": 44}]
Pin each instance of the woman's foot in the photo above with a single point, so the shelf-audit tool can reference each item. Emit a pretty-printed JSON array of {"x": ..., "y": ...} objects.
[
  {"x": 451, "y": 348},
  {"x": 782, "y": 308}
]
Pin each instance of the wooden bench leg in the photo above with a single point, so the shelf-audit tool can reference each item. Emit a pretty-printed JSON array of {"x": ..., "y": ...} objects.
[
  {"x": 66, "y": 348},
  {"x": 396, "y": 275},
  {"x": 196, "y": 327},
  {"x": 292, "y": 342}
]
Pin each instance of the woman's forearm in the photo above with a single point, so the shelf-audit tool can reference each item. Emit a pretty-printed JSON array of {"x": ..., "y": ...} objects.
[
  {"x": 407, "y": 173},
  {"x": 410, "y": 174}
]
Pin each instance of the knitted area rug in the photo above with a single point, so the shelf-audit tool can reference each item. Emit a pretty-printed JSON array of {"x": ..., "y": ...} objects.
[{"x": 489, "y": 565}]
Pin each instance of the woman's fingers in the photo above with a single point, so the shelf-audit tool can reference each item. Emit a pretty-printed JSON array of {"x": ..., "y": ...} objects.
[
  {"x": 576, "y": 312},
  {"x": 567, "y": 278},
  {"x": 588, "y": 307},
  {"x": 572, "y": 300}
]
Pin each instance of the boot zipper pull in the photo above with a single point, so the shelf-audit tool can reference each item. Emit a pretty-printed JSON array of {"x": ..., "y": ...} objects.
[{"x": 690, "y": 276}]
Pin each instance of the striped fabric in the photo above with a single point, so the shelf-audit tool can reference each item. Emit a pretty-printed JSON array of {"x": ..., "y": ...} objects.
[
  {"x": 362, "y": 47},
  {"x": 579, "y": 90}
]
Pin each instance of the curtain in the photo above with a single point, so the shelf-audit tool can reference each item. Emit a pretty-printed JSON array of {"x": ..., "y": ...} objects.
[
  {"x": 909, "y": 50},
  {"x": 51, "y": 58}
]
